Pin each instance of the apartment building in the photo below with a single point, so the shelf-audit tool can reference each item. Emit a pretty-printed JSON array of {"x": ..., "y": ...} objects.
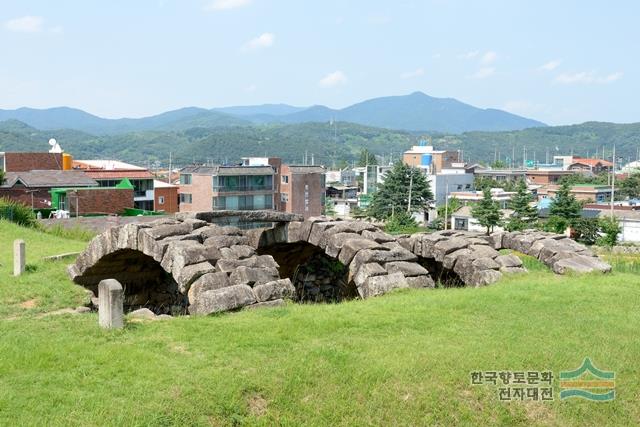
[
  {"x": 430, "y": 160},
  {"x": 205, "y": 188},
  {"x": 302, "y": 190}
]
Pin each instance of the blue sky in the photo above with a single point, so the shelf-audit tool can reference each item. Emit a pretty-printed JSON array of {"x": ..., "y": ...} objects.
[{"x": 561, "y": 62}]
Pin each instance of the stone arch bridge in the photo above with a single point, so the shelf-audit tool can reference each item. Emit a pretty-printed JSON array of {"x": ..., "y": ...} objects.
[{"x": 200, "y": 263}]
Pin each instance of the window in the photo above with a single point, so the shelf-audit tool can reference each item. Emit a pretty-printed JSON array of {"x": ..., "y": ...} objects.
[
  {"x": 459, "y": 187},
  {"x": 185, "y": 178},
  {"x": 185, "y": 198},
  {"x": 284, "y": 197},
  {"x": 161, "y": 200},
  {"x": 285, "y": 179}
]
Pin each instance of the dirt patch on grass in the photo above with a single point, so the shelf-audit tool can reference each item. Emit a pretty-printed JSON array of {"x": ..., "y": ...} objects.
[
  {"x": 539, "y": 413},
  {"x": 257, "y": 405},
  {"x": 30, "y": 303}
]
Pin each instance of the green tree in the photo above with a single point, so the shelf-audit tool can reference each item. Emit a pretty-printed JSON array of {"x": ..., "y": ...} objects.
[
  {"x": 329, "y": 208},
  {"x": 367, "y": 158},
  {"x": 452, "y": 206},
  {"x": 629, "y": 187},
  {"x": 499, "y": 164},
  {"x": 586, "y": 230},
  {"x": 565, "y": 205},
  {"x": 392, "y": 196},
  {"x": 2, "y": 177},
  {"x": 523, "y": 213},
  {"x": 611, "y": 228},
  {"x": 487, "y": 211}
]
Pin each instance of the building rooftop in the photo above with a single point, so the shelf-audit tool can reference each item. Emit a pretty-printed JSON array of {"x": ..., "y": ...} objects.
[
  {"x": 227, "y": 170},
  {"x": 591, "y": 162},
  {"x": 306, "y": 169},
  {"x": 162, "y": 184},
  {"x": 105, "y": 164},
  {"x": 118, "y": 174},
  {"x": 49, "y": 179}
]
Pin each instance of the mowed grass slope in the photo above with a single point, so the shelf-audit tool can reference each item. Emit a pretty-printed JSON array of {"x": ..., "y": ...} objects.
[{"x": 400, "y": 359}]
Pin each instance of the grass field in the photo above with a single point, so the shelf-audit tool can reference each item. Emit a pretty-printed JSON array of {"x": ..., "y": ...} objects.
[{"x": 401, "y": 359}]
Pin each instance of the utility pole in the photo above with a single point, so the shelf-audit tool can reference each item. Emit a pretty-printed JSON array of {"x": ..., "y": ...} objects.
[
  {"x": 613, "y": 179},
  {"x": 410, "y": 189},
  {"x": 446, "y": 203},
  {"x": 169, "y": 177}
]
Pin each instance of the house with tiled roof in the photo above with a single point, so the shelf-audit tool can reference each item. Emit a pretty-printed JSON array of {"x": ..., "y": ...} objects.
[
  {"x": 109, "y": 173},
  {"x": 595, "y": 166}
]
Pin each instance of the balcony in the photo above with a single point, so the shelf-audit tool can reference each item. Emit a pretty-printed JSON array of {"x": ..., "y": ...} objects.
[
  {"x": 140, "y": 196},
  {"x": 243, "y": 189}
]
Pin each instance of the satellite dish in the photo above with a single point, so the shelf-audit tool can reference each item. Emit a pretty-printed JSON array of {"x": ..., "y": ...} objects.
[{"x": 55, "y": 147}]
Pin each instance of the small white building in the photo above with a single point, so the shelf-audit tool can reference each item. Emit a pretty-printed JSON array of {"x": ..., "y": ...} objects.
[
  {"x": 497, "y": 194},
  {"x": 463, "y": 220},
  {"x": 629, "y": 222}
]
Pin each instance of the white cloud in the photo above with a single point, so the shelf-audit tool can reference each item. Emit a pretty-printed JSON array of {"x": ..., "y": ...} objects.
[
  {"x": 484, "y": 72},
  {"x": 26, "y": 24},
  {"x": 587, "y": 77},
  {"x": 488, "y": 57},
  {"x": 469, "y": 55},
  {"x": 333, "y": 79},
  {"x": 217, "y": 5},
  {"x": 550, "y": 66},
  {"x": 262, "y": 41},
  {"x": 411, "y": 74}
]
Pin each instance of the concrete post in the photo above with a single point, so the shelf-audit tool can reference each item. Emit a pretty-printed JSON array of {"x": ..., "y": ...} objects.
[
  {"x": 19, "y": 257},
  {"x": 110, "y": 304}
]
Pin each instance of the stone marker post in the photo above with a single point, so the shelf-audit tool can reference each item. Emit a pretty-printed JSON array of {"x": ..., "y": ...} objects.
[
  {"x": 19, "y": 257},
  {"x": 110, "y": 302}
]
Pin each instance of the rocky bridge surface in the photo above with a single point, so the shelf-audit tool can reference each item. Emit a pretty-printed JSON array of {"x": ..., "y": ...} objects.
[{"x": 196, "y": 264}]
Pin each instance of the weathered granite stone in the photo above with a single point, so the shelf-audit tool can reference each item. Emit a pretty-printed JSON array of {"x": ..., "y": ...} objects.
[
  {"x": 259, "y": 261},
  {"x": 189, "y": 273},
  {"x": 367, "y": 270},
  {"x": 508, "y": 260},
  {"x": 208, "y": 282},
  {"x": 378, "y": 285},
  {"x": 483, "y": 277},
  {"x": 352, "y": 246},
  {"x": 224, "y": 299},
  {"x": 143, "y": 314},
  {"x": 274, "y": 290},
  {"x": 110, "y": 304},
  {"x": 484, "y": 251},
  {"x": 485, "y": 263},
  {"x": 444, "y": 247},
  {"x": 409, "y": 269},
  {"x": 417, "y": 282},
  {"x": 580, "y": 264},
  {"x": 253, "y": 276},
  {"x": 162, "y": 231},
  {"x": 450, "y": 259},
  {"x": 224, "y": 241},
  {"x": 266, "y": 304},
  {"x": 377, "y": 236},
  {"x": 337, "y": 240},
  {"x": 317, "y": 232}
]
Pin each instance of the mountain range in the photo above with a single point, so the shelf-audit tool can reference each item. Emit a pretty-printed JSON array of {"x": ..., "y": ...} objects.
[{"x": 414, "y": 112}]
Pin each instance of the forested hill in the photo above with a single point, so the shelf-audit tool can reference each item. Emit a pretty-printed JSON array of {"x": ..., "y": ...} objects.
[{"x": 327, "y": 144}]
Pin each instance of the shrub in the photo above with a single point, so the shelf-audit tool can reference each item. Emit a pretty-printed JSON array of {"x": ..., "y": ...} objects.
[
  {"x": 610, "y": 229},
  {"x": 556, "y": 224},
  {"x": 586, "y": 230},
  {"x": 400, "y": 223},
  {"x": 18, "y": 213}
]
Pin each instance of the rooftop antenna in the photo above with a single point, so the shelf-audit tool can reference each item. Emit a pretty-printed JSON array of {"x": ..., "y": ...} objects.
[{"x": 55, "y": 147}]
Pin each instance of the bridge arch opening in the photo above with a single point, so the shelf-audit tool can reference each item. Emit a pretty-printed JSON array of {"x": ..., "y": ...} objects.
[
  {"x": 145, "y": 283},
  {"x": 316, "y": 276}
]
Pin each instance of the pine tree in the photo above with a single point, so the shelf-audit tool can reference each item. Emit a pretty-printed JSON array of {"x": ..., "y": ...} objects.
[
  {"x": 565, "y": 205},
  {"x": 487, "y": 211},
  {"x": 367, "y": 158},
  {"x": 393, "y": 195},
  {"x": 523, "y": 212}
]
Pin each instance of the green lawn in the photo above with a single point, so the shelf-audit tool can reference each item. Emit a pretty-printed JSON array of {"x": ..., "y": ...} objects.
[{"x": 400, "y": 359}]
